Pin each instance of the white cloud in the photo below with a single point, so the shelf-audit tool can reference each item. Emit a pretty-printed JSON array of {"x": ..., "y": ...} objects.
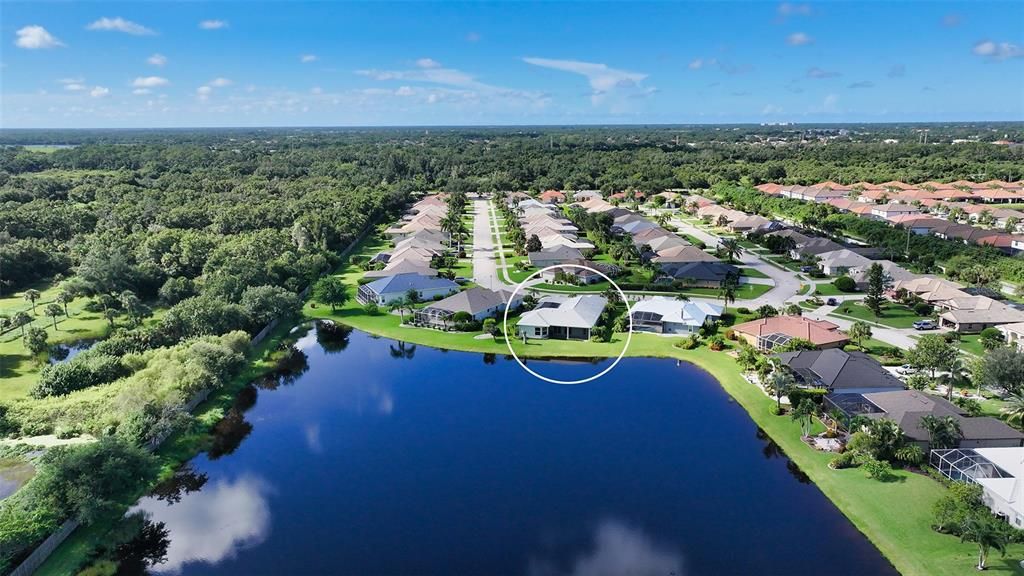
[
  {"x": 150, "y": 82},
  {"x": 428, "y": 63},
  {"x": 473, "y": 37},
  {"x": 771, "y": 109},
  {"x": 405, "y": 91},
  {"x": 120, "y": 25},
  {"x": 468, "y": 86},
  {"x": 157, "y": 60},
  {"x": 203, "y": 92},
  {"x": 213, "y": 24},
  {"x": 307, "y": 58},
  {"x": 602, "y": 78},
  {"x": 616, "y": 549},
  {"x": 99, "y": 92},
  {"x": 798, "y": 39},
  {"x": 830, "y": 104},
  {"x": 141, "y": 91},
  {"x": 790, "y": 9},
  {"x": 220, "y": 82},
  {"x": 316, "y": 90},
  {"x": 819, "y": 73},
  {"x": 73, "y": 84},
  {"x": 36, "y": 38},
  {"x": 997, "y": 50},
  {"x": 696, "y": 64}
]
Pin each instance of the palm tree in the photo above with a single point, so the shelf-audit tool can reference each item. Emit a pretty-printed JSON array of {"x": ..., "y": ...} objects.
[
  {"x": 804, "y": 414},
  {"x": 682, "y": 297},
  {"x": 1014, "y": 410},
  {"x": 20, "y": 320},
  {"x": 727, "y": 290},
  {"x": 402, "y": 304},
  {"x": 781, "y": 381},
  {"x": 942, "y": 432},
  {"x": 63, "y": 298},
  {"x": 859, "y": 332},
  {"x": 984, "y": 532},
  {"x": 53, "y": 310},
  {"x": 887, "y": 436},
  {"x": 31, "y": 295},
  {"x": 957, "y": 376},
  {"x": 731, "y": 248}
]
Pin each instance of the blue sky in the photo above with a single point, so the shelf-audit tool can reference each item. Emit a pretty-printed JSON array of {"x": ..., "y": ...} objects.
[{"x": 154, "y": 64}]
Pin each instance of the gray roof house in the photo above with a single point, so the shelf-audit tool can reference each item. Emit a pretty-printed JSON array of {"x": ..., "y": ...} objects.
[
  {"x": 392, "y": 288},
  {"x": 839, "y": 371},
  {"x": 664, "y": 315},
  {"x": 568, "y": 318},
  {"x": 891, "y": 273},
  {"x": 908, "y": 407},
  {"x": 813, "y": 247},
  {"x": 480, "y": 303},
  {"x": 703, "y": 274},
  {"x": 839, "y": 262},
  {"x": 554, "y": 255}
]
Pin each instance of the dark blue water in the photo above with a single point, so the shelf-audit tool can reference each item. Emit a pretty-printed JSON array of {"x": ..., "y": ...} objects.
[{"x": 382, "y": 459}]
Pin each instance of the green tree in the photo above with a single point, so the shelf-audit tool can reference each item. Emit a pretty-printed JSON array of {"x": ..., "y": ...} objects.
[
  {"x": 731, "y": 248},
  {"x": 35, "y": 340},
  {"x": 1002, "y": 369},
  {"x": 31, "y": 295},
  {"x": 728, "y": 288},
  {"x": 876, "y": 287},
  {"x": 1013, "y": 410},
  {"x": 402, "y": 305},
  {"x": 53, "y": 310},
  {"x": 804, "y": 414},
  {"x": 331, "y": 291},
  {"x": 943, "y": 432},
  {"x": 983, "y": 531},
  {"x": 533, "y": 244},
  {"x": 64, "y": 297},
  {"x": 781, "y": 381},
  {"x": 859, "y": 332},
  {"x": 20, "y": 320},
  {"x": 932, "y": 353}
]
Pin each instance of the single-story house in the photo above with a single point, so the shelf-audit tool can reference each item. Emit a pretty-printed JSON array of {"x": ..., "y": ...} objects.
[
  {"x": 892, "y": 209},
  {"x": 554, "y": 255},
  {"x": 553, "y": 240},
  {"x": 565, "y": 317},
  {"x": 581, "y": 275},
  {"x": 751, "y": 223},
  {"x": 891, "y": 273},
  {"x": 839, "y": 371},
  {"x": 480, "y": 303},
  {"x": 840, "y": 262},
  {"x": 908, "y": 407},
  {"x": 699, "y": 274},
  {"x": 662, "y": 243},
  {"x": 402, "y": 267},
  {"x": 931, "y": 289},
  {"x": 972, "y": 314},
  {"x": 665, "y": 315},
  {"x": 584, "y": 195},
  {"x": 393, "y": 288},
  {"x": 767, "y": 333},
  {"x": 1013, "y": 334},
  {"x": 813, "y": 247},
  {"x": 999, "y": 471},
  {"x": 682, "y": 254},
  {"x": 552, "y": 197}
]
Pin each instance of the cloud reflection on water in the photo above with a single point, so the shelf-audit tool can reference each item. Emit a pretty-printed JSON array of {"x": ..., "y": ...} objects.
[
  {"x": 617, "y": 549},
  {"x": 213, "y": 524}
]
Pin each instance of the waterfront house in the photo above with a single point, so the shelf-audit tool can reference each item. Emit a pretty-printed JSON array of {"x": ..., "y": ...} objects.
[
  {"x": 839, "y": 371},
  {"x": 562, "y": 317},
  {"x": 394, "y": 288},
  {"x": 664, "y": 315},
  {"x": 480, "y": 303},
  {"x": 554, "y": 255},
  {"x": 767, "y": 333}
]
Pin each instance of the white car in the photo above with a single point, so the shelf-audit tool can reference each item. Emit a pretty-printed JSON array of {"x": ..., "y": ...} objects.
[{"x": 906, "y": 370}]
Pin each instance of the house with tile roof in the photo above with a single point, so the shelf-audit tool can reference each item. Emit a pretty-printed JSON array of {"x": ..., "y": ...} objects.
[{"x": 768, "y": 333}]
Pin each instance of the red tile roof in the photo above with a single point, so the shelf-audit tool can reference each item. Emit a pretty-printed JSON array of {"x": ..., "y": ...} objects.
[{"x": 818, "y": 332}]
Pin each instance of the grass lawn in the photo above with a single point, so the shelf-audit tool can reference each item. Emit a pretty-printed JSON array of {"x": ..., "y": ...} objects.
[
  {"x": 893, "y": 315},
  {"x": 785, "y": 262},
  {"x": 752, "y": 272},
  {"x": 807, "y": 305},
  {"x": 18, "y": 370},
  {"x": 971, "y": 343},
  {"x": 828, "y": 289},
  {"x": 692, "y": 239},
  {"x": 895, "y": 515}
]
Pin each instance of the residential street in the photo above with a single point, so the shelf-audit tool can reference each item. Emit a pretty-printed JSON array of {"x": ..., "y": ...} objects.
[{"x": 485, "y": 266}]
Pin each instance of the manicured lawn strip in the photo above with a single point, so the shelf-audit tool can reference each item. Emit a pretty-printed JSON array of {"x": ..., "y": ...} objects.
[
  {"x": 828, "y": 289},
  {"x": 752, "y": 272},
  {"x": 894, "y": 315},
  {"x": 971, "y": 343},
  {"x": 808, "y": 305},
  {"x": 692, "y": 239},
  {"x": 896, "y": 516}
]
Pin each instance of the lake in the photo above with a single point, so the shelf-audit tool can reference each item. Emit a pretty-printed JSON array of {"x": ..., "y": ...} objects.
[{"x": 379, "y": 458}]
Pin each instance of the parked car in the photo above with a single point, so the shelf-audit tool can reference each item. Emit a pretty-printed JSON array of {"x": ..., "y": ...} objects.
[
  {"x": 461, "y": 280},
  {"x": 832, "y": 302},
  {"x": 906, "y": 370},
  {"x": 925, "y": 325},
  {"x": 807, "y": 269}
]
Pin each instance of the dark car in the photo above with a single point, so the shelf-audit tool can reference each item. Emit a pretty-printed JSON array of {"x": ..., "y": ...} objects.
[{"x": 832, "y": 302}]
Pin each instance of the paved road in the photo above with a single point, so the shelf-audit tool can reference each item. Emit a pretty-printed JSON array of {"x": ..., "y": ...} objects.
[
  {"x": 787, "y": 284},
  {"x": 485, "y": 268}
]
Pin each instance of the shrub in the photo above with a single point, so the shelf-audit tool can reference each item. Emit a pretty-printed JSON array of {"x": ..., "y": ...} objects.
[
  {"x": 743, "y": 310},
  {"x": 774, "y": 410},
  {"x": 847, "y": 459},
  {"x": 84, "y": 371},
  {"x": 371, "y": 309},
  {"x": 797, "y": 395},
  {"x": 716, "y": 343},
  {"x": 923, "y": 309},
  {"x": 730, "y": 334},
  {"x": 877, "y": 469},
  {"x": 845, "y": 284},
  {"x": 688, "y": 343}
]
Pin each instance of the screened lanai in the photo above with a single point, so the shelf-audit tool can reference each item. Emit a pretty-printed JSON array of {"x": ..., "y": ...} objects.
[{"x": 965, "y": 465}]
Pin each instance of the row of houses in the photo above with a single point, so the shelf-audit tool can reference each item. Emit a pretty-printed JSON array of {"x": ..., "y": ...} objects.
[
  {"x": 929, "y": 208},
  {"x": 960, "y": 308}
]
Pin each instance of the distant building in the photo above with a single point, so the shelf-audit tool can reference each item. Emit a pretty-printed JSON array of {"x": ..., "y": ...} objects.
[
  {"x": 480, "y": 303},
  {"x": 394, "y": 288},
  {"x": 670, "y": 316}
]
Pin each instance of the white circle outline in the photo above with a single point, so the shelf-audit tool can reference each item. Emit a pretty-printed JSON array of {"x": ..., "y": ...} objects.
[{"x": 521, "y": 285}]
